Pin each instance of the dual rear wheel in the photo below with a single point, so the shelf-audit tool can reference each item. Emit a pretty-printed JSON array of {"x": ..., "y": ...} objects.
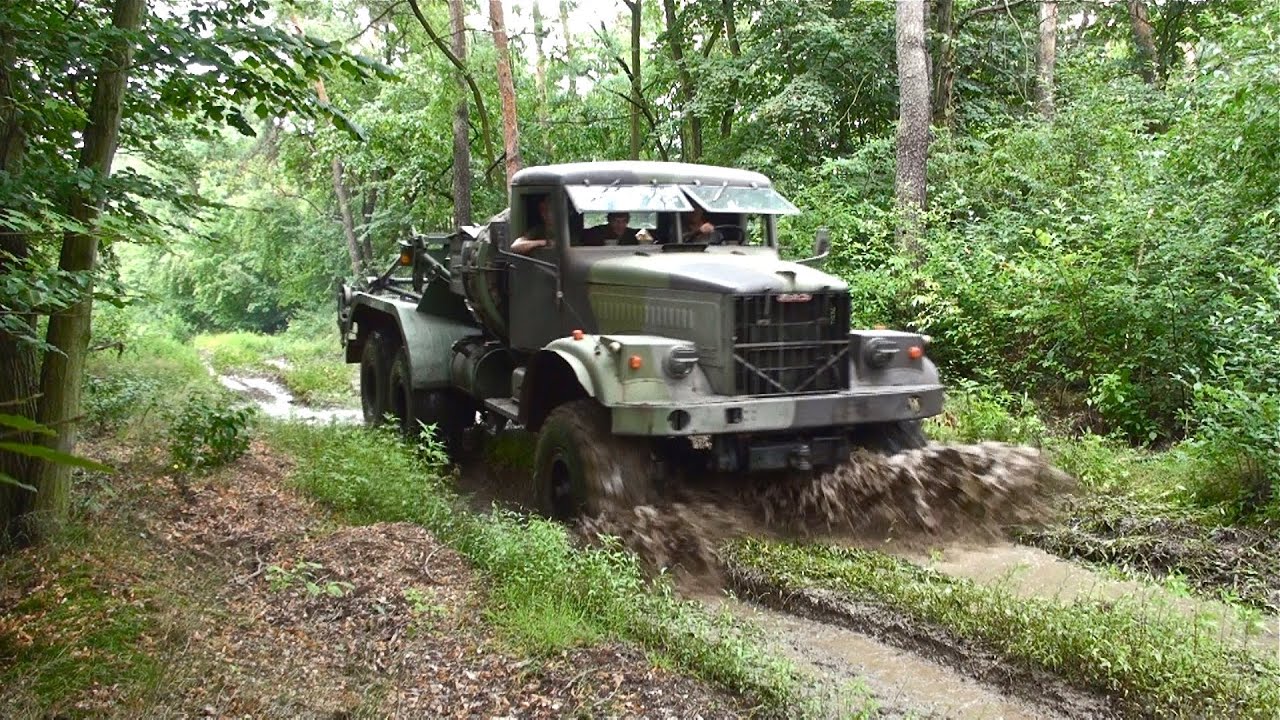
[{"x": 386, "y": 391}]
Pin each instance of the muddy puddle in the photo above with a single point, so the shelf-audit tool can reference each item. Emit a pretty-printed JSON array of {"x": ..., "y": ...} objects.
[
  {"x": 275, "y": 401},
  {"x": 860, "y": 671},
  {"x": 1030, "y": 572}
]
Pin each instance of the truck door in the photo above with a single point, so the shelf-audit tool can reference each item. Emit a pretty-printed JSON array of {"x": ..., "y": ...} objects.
[{"x": 535, "y": 308}]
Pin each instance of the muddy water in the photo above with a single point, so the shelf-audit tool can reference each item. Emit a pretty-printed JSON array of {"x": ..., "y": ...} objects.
[
  {"x": 275, "y": 401},
  {"x": 900, "y": 683},
  {"x": 1031, "y": 572}
]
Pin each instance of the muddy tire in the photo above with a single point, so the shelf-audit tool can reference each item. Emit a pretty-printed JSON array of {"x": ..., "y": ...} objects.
[
  {"x": 582, "y": 468},
  {"x": 450, "y": 412},
  {"x": 375, "y": 375},
  {"x": 892, "y": 437}
]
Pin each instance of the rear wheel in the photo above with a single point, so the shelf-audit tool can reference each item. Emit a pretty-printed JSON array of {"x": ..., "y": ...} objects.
[
  {"x": 374, "y": 378},
  {"x": 450, "y": 412},
  {"x": 581, "y": 467}
]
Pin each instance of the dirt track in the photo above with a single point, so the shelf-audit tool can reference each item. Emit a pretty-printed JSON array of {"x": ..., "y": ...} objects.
[{"x": 945, "y": 507}]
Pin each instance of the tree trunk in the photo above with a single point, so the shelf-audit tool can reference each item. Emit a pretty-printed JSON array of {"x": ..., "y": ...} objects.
[
  {"x": 506, "y": 89},
  {"x": 1046, "y": 57},
  {"x": 540, "y": 66},
  {"x": 735, "y": 51},
  {"x": 62, "y": 375},
  {"x": 18, "y": 360},
  {"x": 486, "y": 129},
  {"x": 691, "y": 148},
  {"x": 368, "y": 206},
  {"x": 461, "y": 123},
  {"x": 637, "y": 88},
  {"x": 568, "y": 40},
  {"x": 358, "y": 266},
  {"x": 913, "y": 122},
  {"x": 1143, "y": 40},
  {"x": 945, "y": 76}
]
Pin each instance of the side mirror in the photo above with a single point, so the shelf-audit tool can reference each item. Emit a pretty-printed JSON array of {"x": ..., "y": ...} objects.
[{"x": 821, "y": 247}]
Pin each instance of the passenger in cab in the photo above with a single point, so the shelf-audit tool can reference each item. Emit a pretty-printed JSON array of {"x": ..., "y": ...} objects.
[{"x": 615, "y": 231}]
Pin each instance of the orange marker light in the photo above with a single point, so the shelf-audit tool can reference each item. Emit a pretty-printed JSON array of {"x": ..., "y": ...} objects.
[
  {"x": 635, "y": 362},
  {"x": 406, "y": 258},
  {"x": 915, "y": 352},
  {"x": 577, "y": 334}
]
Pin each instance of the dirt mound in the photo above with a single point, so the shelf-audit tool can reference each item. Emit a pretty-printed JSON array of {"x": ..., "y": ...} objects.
[{"x": 936, "y": 491}]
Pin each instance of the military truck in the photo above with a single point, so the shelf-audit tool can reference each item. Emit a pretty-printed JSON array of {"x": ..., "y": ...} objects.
[{"x": 632, "y": 359}]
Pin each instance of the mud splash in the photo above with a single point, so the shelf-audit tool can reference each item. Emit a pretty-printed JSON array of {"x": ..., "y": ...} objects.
[{"x": 932, "y": 493}]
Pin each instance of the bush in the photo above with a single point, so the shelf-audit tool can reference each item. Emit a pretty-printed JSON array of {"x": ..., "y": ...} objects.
[{"x": 209, "y": 432}]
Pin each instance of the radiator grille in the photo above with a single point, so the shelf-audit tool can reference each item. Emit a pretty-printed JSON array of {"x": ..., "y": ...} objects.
[{"x": 782, "y": 348}]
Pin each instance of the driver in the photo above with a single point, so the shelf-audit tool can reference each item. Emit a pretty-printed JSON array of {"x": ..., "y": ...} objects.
[
  {"x": 697, "y": 229},
  {"x": 540, "y": 235}
]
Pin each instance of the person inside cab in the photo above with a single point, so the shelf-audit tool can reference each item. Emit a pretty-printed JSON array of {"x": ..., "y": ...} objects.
[
  {"x": 697, "y": 229},
  {"x": 615, "y": 231},
  {"x": 541, "y": 234}
]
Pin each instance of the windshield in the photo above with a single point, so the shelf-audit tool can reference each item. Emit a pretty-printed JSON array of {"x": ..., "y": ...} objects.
[
  {"x": 628, "y": 198},
  {"x": 727, "y": 199}
]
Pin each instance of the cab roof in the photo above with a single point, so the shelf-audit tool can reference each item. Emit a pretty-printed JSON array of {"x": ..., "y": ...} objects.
[{"x": 637, "y": 172}]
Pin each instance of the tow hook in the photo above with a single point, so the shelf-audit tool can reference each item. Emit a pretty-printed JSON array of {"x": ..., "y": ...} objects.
[{"x": 801, "y": 458}]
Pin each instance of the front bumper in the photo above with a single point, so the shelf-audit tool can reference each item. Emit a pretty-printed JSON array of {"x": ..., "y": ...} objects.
[{"x": 773, "y": 413}]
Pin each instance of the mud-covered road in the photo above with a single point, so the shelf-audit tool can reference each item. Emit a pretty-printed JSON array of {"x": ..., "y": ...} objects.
[{"x": 945, "y": 508}]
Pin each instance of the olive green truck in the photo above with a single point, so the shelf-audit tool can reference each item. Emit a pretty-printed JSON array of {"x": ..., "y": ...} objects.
[{"x": 667, "y": 345}]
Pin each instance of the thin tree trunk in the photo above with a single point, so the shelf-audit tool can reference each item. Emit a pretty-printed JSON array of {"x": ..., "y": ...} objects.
[
  {"x": 486, "y": 128},
  {"x": 62, "y": 375},
  {"x": 367, "y": 207},
  {"x": 18, "y": 360},
  {"x": 945, "y": 75},
  {"x": 540, "y": 66},
  {"x": 506, "y": 89},
  {"x": 1143, "y": 40},
  {"x": 691, "y": 148},
  {"x": 913, "y": 122},
  {"x": 1046, "y": 57},
  {"x": 568, "y": 45},
  {"x": 461, "y": 123},
  {"x": 637, "y": 88},
  {"x": 735, "y": 51},
  {"x": 358, "y": 267}
]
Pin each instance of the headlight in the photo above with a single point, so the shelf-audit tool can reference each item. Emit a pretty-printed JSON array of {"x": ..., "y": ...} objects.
[
  {"x": 879, "y": 353},
  {"x": 681, "y": 361}
]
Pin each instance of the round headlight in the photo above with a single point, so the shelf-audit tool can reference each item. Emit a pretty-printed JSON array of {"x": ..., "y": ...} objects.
[{"x": 681, "y": 361}]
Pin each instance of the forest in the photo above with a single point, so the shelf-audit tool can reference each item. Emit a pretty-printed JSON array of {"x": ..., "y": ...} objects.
[{"x": 1078, "y": 201}]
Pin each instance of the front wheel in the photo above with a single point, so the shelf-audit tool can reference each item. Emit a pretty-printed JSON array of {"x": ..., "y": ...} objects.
[
  {"x": 581, "y": 467},
  {"x": 891, "y": 438}
]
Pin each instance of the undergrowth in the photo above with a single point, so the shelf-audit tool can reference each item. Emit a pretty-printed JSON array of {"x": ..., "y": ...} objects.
[
  {"x": 546, "y": 592},
  {"x": 1157, "y": 663}
]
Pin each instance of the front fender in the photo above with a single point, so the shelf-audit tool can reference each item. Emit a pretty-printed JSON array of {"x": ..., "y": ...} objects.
[{"x": 603, "y": 365}]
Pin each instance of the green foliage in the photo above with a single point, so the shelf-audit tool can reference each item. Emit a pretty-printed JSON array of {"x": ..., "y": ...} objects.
[
  {"x": 546, "y": 593},
  {"x": 1149, "y": 656},
  {"x": 309, "y": 577},
  {"x": 209, "y": 432}
]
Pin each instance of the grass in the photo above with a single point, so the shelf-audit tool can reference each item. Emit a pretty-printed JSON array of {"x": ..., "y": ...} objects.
[
  {"x": 1157, "y": 662},
  {"x": 546, "y": 593},
  {"x": 90, "y": 617}
]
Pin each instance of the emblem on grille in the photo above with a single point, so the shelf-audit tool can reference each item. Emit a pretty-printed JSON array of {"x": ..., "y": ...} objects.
[{"x": 794, "y": 297}]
